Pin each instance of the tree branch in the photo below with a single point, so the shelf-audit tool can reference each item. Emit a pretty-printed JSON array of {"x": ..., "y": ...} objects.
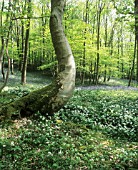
[{"x": 16, "y": 18}]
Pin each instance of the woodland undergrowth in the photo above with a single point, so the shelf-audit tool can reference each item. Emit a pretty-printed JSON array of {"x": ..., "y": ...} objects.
[{"x": 97, "y": 129}]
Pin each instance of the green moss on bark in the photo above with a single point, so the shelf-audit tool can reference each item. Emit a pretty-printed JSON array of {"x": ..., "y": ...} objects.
[
  {"x": 39, "y": 100},
  {"x": 51, "y": 98}
]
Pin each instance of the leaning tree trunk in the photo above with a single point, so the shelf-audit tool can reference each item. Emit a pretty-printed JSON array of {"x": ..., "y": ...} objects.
[{"x": 50, "y": 98}]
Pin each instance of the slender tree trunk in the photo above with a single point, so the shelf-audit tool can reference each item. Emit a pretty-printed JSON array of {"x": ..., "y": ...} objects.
[
  {"x": 25, "y": 58},
  {"x": 98, "y": 47},
  {"x": 94, "y": 75},
  {"x": 106, "y": 36},
  {"x": 12, "y": 66},
  {"x": 6, "y": 45},
  {"x": 18, "y": 43},
  {"x": 7, "y": 75},
  {"x": 118, "y": 51},
  {"x": 21, "y": 56},
  {"x": 84, "y": 44},
  {"x": 91, "y": 72},
  {"x": 50, "y": 98},
  {"x": 2, "y": 40},
  {"x": 136, "y": 34},
  {"x": 105, "y": 73},
  {"x": 43, "y": 35},
  {"x": 2, "y": 71},
  {"x": 8, "y": 57},
  {"x": 1, "y": 57},
  {"x": 99, "y": 11},
  {"x": 110, "y": 44},
  {"x": 135, "y": 46},
  {"x": 133, "y": 64},
  {"x": 122, "y": 51}
]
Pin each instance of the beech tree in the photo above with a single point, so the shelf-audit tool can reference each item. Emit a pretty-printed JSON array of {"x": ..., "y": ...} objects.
[{"x": 51, "y": 98}]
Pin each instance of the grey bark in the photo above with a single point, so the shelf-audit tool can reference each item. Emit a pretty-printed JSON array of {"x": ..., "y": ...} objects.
[{"x": 53, "y": 97}]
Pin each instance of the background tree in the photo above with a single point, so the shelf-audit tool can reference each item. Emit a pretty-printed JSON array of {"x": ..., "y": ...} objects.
[
  {"x": 26, "y": 45},
  {"x": 8, "y": 27},
  {"x": 2, "y": 37},
  {"x": 136, "y": 34},
  {"x": 50, "y": 98},
  {"x": 116, "y": 38}
]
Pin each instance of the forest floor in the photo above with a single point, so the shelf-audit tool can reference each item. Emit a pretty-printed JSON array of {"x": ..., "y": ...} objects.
[
  {"x": 38, "y": 79},
  {"x": 96, "y": 130},
  {"x": 106, "y": 87},
  {"x": 34, "y": 79}
]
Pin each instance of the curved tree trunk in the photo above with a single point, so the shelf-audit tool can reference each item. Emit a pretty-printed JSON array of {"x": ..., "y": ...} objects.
[{"x": 50, "y": 98}]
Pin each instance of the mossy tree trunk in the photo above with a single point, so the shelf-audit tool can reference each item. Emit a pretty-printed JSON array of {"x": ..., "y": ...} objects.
[{"x": 51, "y": 98}]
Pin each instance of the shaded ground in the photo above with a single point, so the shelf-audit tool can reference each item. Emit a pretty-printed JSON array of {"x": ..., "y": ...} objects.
[
  {"x": 38, "y": 79},
  {"x": 95, "y": 130},
  {"x": 35, "y": 79},
  {"x": 106, "y": 87}
]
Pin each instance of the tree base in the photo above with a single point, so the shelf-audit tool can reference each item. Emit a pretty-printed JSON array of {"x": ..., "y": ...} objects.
[{"x": 41, "y": 100}]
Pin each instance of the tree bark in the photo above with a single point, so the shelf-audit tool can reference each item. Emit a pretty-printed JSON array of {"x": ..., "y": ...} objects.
[
  {"x": 133, "y": 64},
  {"x": 1, "y": 56},
  {"x": 105, "y": 44},
  {"x": 135, "y": 46},
  {"x": 25, "y": 57},
  {"x": 100, "y": 6},
  {"x": 6, "y": 45},
  {"x": 84, "y": 44},
  {"x": 2, "y": 39},
  {"x": 136, "y": 34},
  {"x": 51, "y": 98}
]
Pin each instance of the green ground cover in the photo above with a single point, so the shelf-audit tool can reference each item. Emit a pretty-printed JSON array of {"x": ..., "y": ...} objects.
[{"x": 96, "y": 130}]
